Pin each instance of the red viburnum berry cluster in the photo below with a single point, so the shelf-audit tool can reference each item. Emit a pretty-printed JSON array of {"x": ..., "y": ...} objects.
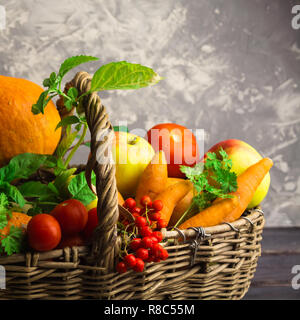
[{"x": 144, "y": 244}]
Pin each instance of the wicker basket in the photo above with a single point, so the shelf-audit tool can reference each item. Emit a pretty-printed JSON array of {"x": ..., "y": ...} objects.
[{"x": 204, "y": 263}]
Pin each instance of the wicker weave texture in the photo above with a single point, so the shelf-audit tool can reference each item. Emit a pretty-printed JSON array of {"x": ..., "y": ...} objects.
[{"x": 224, "y": 264}]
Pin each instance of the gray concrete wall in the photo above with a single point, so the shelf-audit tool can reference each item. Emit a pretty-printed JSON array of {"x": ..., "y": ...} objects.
[{"x": 231, "y": 67}]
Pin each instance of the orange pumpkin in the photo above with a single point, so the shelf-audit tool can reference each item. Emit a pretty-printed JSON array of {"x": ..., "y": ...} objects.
[{"x": 21, "y": 130}]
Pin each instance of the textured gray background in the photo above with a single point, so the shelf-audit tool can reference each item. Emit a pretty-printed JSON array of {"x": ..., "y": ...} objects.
[{"x": 231, "y": 67}]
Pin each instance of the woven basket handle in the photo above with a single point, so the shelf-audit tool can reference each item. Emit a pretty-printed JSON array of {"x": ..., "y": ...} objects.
[{"x": 106, "y": 243}]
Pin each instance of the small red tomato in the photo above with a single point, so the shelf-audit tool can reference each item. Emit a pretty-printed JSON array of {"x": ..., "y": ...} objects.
[
  {"x": 136, "y": 210},
  {"x": 150, "y": 257},
  {"x": 91, "y": 224},
  {"x": 139, "y": 265},
  {"x": 142, "y": 253},
  {"x": 155, "y": 216},
  {"x": 161, "y": 223},
  {"x": 158, "y": 235},
  {"x": 135, "y": 244},
  {"x": 163, "y": 254},
  {"x": 147, "y": 242},
  {"x": 154, "y": 239},
  {"x": 145, "y": 231},
  {"x": 71, "y": 215},
  {"x": 43, "y": 232},
  {"x": 156, "y": 250},
  {"x": 130, "y": 260},
  {"x": 71, "y": 241},
  {"x": 121, "y": 267},
  {"x": 157, "y": 205},
  {"x": 140, "y": 221},
  {"x": 146, "y": 201},
  {"x": 129, "y": 203}
]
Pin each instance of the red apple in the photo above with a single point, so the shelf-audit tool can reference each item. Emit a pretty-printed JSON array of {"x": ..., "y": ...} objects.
[
  {"x": 178, "y": 143},
  {"x": 243, "y": 156}
]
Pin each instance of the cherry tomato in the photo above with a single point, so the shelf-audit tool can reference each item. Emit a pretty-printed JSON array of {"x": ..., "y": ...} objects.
[
  {"x": 146, "y": 201},
  {"x": 71, "y": 241},
  {"x": 179, "y": 145},
  {"x": 43, "y": 232},
  {"x": 71, "y": 215},
  {"x": 92, "y": 223}
]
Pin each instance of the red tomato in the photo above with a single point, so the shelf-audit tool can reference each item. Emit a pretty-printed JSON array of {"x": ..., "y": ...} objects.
[
  {"x": 43, "y": 232},
  {"x": 179, "y": 145},
  {"x": 71, "y": 241},
  {"x": 91, "y": 224},
  {"x": 71, "y": 215}
]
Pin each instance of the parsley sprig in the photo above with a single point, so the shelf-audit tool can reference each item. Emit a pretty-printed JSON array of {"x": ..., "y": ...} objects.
[
  {"x": 212, "y": 179},
  {"x": 12, "y": 242}
]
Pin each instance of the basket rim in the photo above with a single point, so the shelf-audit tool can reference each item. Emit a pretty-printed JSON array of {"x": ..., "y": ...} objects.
[{"x": 253, "y": 216}]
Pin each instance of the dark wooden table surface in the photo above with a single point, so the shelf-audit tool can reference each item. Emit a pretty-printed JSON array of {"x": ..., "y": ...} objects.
[{"x": 273, "y": 277}]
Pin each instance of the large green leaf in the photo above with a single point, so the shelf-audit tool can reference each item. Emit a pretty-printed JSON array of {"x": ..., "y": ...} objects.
[{"x": 123, "y": 75}]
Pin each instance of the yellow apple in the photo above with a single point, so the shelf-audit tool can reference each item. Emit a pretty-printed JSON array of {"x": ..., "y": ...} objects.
[
  {"x": 131, "y": 155},
  {"x": 243, "y": 156}
]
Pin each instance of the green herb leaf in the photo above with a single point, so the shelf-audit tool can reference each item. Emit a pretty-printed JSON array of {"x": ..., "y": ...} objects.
[
  {"x": 12, "y": 243},
  {"x": 67, "y": 121},
  {"x": 73, "y": 62},
  {"x": 211, "y": 179},
  {"x": 36, "y": 189},
  {"x": 80, "y": 190},
  {"x": 41, "y": 104},
  {"x": 22, "y": 166},
  {"x": 13, "y": 193},
  {"x": 123, "y": 75}
]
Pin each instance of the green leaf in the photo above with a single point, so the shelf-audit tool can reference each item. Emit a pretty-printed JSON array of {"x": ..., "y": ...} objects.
[
  {"x": 123, "y": 75},
  {"x": 61, "y": 182},
  {"x": 80, "y": 190},
  {"x": 13, "y": 193},
  {"x": 73, "y": 62},
  {"x": 73, "y": 93},
  {"x": 12, "y": 243},
  {"x": 36, "y": 189},
  {"x": 192, "y": 172},
  {"x": 67, "y": 121},
  {"x": 42, "y": 102},
  {"x": 22, "y": 166}
]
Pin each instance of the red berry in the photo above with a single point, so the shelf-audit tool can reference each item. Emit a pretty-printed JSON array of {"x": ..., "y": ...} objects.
[
  {"x": 161, "y": 223},
  {"x": 150, "y": 257},
  {"x": 147, "y": 242},
  {"x": 154, "y": 239},
  {"x": 142, "y": 253},
  {"x": 130, "y": 260},
  {"x": 121, "y": 267},
  {"x": 140, "y": 222},
  {"x": 145, "y": 231},
  {"x": 156, "y": 250},
  {"x": 163, "y": 254},
  {"x": 157, "y": 205},
  {"x": 139, "y": 266},
  {"x": 158, "y": 235},
  {"x": 146, "y": 201},
  {"x": 156, "y": 259},
  {"x": 135, "y": 215},
  {"x": 155, "y": 216},
  {"x": 136, "y": 210},
  {"x": 135, "y": 244},
  {"x": 130, "y": 203}
]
